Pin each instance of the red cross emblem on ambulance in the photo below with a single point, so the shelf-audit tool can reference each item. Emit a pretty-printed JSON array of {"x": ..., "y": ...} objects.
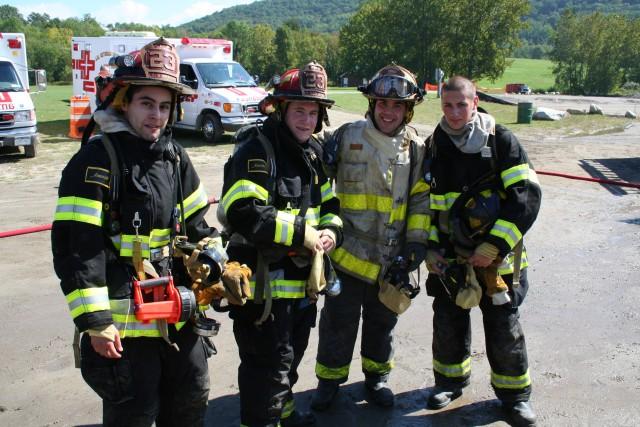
[{"x": 85, "y": 64}]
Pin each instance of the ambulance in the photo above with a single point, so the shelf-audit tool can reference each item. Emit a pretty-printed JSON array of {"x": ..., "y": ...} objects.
[
  {"x": 17, "y": 114},
  {"x": 226, "y": 96}
]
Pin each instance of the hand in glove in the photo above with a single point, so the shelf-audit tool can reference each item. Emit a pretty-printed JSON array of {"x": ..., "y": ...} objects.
[
  {"x": 235, "y": 278},
  {"x": 205, "y": 294},
  {"x": 414, "y": 253},
  {"x": 312, "y": 239},
  {"x": 436, "y": 263}
]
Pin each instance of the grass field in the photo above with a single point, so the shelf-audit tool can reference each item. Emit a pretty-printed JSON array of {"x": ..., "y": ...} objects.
[{"x": 537, "y": 73}]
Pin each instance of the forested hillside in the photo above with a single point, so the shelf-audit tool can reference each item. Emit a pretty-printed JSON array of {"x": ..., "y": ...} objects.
[
  {"x": 324, "y": 16},
  {"x": 331, "y": 15}
]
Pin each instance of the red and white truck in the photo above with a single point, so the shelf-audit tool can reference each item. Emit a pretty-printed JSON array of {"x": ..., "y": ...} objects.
[
  {"x": 227, "y": 96},
  {"x": 17, "y": 113}
]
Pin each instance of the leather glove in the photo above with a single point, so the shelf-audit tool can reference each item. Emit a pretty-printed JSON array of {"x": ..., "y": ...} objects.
[
  {"x": 414, "y": 253},
  {"x": 235, "y": 279},
  {"x": 205, "y": 294},
  {"x": 316, "y": 282},
  {"x": 311, "y": 237}
]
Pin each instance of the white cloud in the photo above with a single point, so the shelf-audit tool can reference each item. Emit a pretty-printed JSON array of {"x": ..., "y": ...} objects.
[
  {"x": 125, "y": 11},
  {"x": 200, "y": 9}
]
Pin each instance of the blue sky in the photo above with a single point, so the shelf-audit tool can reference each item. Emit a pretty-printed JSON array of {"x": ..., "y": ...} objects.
[{"x": 154, "y": 12}]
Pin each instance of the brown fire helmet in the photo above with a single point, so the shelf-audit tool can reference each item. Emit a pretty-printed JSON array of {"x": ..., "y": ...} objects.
[{"x": 306, "y": 84}]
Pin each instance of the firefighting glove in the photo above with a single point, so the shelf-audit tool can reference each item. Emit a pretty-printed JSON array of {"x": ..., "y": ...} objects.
[
  {"x": 436, "y": 263},
  {"x": 205, "y": 293},
  {"x": 497, "y": 288},
  {"x": 414, "y": 253},
  {"x": 235, "y": 279},
  {"x": 311, "y": 237},
  {"x": 316, "y": 282},
  {"x": 470, "y": 293}
]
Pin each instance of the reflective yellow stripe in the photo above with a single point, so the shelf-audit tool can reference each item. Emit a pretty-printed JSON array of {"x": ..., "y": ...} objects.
[
  {"x": 288, "y": 408},
  {"x": 89, "y": 300},
  {"x": 363, "y": 202},
  {"x": 433, "y": 234},
  {"x": 442, "y": 202},
  {"x": 454, "y": 370},
  {"x": 510, "y": 382},
  {"x": 327, "y": 192},
  {"x": 124, "y": 318},
  {"x": 420, "y": 187},
  {"x": 369, "y": 365},
  {"x": 282, "y": 288},
  {"x": 355, "y": 265},
  {"x": 195, "y": 201},
  {"x": 243, "y": 189},
  {"x": 124, "y": 242},
  {"x": 284, "y": 228},
  {"x": 507, "y": 231},
  {"x": 518, "y": 173},
  {"x": 418, "y": 222},
  {"x": 72, "y": 208},
  {"x": 159, "y": 237},
  {"x": 331, "y": 219},
  {"x": 506, "y": 266},
  {"x": 327, "y": 373}
]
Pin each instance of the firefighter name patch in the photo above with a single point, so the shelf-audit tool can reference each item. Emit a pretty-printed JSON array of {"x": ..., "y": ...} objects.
[
  {"x": 257, "y": 166},
  {"x": 355, "y": 147},
  {"x": 98, "y": 176}
]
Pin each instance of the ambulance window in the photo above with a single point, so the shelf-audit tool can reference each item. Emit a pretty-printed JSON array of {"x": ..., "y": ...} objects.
[
  {"x": 189, "y": 75},
  {"x": 9, "y": 79}
]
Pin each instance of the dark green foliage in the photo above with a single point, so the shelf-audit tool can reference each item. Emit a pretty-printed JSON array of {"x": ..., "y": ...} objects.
[{"x": 323, "y": 16}]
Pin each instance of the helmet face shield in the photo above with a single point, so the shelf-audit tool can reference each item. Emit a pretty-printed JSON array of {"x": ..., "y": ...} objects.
[{"x": 393, "y": 87}]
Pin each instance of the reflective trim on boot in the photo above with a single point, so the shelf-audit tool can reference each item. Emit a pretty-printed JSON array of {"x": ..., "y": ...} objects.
[{"x": 441, "y": 397}]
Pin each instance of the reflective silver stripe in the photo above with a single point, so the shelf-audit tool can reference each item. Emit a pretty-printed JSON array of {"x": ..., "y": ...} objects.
[
  {"x": 79, "y": 209},
  {"x": 86, "y": 300}
]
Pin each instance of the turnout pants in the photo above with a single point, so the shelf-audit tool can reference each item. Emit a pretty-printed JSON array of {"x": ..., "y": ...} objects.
[
  {"x": 339, "y": 323},
  {"x": 269, "y": 357},
  {"x": 504, "y": 340},
  {"x": 152, "y": 382}
]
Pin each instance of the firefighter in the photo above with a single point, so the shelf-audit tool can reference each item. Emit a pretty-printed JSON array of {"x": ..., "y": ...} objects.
[
  {"x": 102, "y": 80},
  {"x": 284, "y": 216},
  {"x": 109, "y": 225},
  {"x": 384, "y": 206},
  {"x": 471, "y": 159}
]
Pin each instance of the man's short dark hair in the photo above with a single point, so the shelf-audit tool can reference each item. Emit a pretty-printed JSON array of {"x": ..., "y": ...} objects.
[{"x": 460, "y": 84}]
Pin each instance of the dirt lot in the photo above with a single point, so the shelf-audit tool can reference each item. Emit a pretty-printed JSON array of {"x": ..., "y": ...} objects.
[{"x": 581, "y": 317}]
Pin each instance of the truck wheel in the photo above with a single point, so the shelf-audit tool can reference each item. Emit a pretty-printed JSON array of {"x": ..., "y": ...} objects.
[
  {"x": 211, "y": 128},
  {"x": 30, "y": 151}
]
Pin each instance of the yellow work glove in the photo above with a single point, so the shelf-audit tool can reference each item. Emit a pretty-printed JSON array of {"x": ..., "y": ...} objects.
[
  {"x": 109, "y": 332},
  {"x": 235, "y": 279},
  {"x": 316, "y": 282},
  {"x": 311, "y": 237},
  {"x": 470, "y": 294}
]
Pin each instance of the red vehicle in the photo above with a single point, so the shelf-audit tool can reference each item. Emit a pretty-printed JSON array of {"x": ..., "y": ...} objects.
[{"x": 519, "y": 88}]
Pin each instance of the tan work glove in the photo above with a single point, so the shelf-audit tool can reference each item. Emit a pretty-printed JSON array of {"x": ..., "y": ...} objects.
[
  {"x": 316, "y": 282},
  {"x": 311, "y": 238},
  {"x": 469, "y": 296},
  {"x": 235, "y": 279},
  {"x": 497, "y": 288}
]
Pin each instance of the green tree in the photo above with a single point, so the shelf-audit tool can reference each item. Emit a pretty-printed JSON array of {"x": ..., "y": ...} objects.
[
  {"x": 11, "y": 21},
  {"x": 589, "y": 57}
]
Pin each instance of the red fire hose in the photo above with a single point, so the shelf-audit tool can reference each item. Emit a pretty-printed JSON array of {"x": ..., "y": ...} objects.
[
  {"x": 598, "y": 180},
  {"x": 212, "y": 200}
]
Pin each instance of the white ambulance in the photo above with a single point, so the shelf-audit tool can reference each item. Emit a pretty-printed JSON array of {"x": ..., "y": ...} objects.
[
  {"x": 227, "y": 96},
  {"x": 17, "y": 114}
]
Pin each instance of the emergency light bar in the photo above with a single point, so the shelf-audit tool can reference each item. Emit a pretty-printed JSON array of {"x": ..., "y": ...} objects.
[
  {"x": 194, "y": 41},
  {"x": 15, "y": 43}
]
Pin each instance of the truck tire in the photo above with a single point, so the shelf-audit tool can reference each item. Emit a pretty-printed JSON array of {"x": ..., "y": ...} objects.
[
  {"x": 30, "y": 151},
  {"x": 211, "y": 128}
]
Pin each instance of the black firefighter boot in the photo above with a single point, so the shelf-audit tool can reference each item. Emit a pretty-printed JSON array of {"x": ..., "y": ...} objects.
[
  {"x": 520, "y": 413},
  {"x": 442, "y": 396},
  {"x": 298, "y": 419},
  {"x": 379, "y": 392},
  {"x": 324, "y": 394}
]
